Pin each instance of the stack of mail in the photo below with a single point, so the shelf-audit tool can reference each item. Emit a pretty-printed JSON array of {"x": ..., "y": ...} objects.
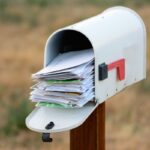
[{"x": 66, "y": 81}]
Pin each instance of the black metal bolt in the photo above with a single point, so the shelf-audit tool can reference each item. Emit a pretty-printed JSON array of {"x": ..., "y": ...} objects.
[{"x": 46, "y": 137}]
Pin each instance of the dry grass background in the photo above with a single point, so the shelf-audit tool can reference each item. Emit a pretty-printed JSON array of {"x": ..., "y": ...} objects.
[{"x": 22, "y": 41}]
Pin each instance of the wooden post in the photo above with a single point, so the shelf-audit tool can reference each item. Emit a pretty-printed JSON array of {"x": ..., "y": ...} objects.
[{"x": 90, "y": 135}]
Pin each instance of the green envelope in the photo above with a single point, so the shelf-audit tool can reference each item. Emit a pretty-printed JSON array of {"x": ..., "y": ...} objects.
[
  {"x": 62, "y": 81},
  {"x": 53, "y": 105}
]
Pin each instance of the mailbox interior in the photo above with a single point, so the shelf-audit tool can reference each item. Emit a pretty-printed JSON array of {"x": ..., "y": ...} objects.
[{"x": 64, "y": 41}]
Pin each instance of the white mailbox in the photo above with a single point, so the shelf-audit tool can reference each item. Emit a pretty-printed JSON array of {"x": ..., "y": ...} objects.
[{"x": 118, "y": 38}]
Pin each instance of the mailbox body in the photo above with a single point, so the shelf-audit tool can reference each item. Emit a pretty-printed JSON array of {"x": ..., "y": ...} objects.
[{"x": 116, "y": 34}]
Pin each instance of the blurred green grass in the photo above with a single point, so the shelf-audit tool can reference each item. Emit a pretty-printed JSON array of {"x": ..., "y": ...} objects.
[
  {"x": 30, "y": 16},
  {"x": 16, "y": 115},
  {"x": 32, "y": 8}
]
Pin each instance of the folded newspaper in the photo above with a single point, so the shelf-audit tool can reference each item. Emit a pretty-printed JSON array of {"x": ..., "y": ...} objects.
[{"x": 66, "y": 82}]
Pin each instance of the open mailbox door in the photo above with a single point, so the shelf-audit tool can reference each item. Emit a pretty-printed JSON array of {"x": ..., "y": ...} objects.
[{"x": 118, "y": 39}]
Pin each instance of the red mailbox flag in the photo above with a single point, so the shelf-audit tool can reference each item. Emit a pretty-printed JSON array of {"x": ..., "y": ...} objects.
[{"x": 120, "y": 66}]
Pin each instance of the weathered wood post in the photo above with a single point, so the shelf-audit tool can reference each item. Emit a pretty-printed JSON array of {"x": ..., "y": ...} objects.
[{"x": 90, "y": 135}]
